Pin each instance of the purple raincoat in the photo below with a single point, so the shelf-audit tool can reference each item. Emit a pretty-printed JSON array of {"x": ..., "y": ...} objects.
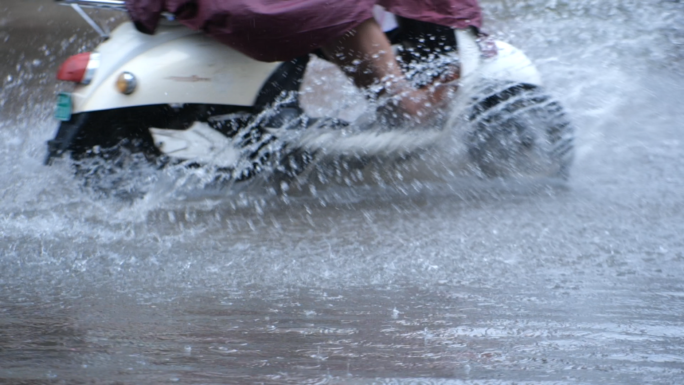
[{"x": 279, "y": 30}]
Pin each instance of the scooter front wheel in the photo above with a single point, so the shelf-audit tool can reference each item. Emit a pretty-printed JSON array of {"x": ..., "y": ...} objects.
[{"x": 519, "y": 130}]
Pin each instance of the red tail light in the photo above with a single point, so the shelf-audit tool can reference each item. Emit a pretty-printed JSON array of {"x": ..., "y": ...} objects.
[{"x": 79, "y": 68}]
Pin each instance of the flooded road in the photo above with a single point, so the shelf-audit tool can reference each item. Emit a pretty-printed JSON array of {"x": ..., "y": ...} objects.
[{"x": 431, "y": 276}]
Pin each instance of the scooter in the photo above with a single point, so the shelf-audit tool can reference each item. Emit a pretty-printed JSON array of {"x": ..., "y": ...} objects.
[{"x": 179, "y": 97}]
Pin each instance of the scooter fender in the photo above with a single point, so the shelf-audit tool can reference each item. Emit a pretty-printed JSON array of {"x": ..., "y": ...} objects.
[
  {"x": 485, "y": 63},
  {"x": 504, "y": 63},
  {"x": 510, "y": 64},
  {"x": 175, "y": 66}
]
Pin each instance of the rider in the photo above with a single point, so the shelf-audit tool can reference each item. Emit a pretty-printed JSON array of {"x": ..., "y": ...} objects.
[{"x": 344, "y": 30}]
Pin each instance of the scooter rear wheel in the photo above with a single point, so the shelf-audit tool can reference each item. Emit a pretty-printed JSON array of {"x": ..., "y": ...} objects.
[{"x": 110, "y": 148}]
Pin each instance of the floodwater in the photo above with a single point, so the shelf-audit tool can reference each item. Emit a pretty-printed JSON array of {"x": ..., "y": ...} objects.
[{"x": 428, "y": 275}]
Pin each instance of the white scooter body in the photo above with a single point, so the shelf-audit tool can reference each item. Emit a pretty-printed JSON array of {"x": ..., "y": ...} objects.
[
  {"x": 174, "y": 66},
  {"x": 177, "y": 66}
]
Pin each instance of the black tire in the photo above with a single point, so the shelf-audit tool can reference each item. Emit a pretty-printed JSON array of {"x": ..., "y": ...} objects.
[
  {"x": 113, "y": 150},
  {"x": 519, "y": 130}
]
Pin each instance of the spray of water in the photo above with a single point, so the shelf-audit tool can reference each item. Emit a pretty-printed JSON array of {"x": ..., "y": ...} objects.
[
  {"x": 603, "y": 68},
  {"x": 402, "y": 272}
]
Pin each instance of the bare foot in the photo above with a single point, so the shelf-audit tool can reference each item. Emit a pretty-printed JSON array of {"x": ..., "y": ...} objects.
[
  {"x": 365, "y": 55},
  {"x": 422, "y": 105}
]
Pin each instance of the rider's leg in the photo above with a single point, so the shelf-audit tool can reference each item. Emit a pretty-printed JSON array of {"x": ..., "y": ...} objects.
[{"x": 365, "y": 55}]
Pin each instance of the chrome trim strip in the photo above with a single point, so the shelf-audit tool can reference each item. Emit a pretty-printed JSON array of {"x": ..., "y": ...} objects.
[
  {"x": 116, "y": 4},
  {"x": 90, "y": 21},
  {"x": 93, "y": 65}
]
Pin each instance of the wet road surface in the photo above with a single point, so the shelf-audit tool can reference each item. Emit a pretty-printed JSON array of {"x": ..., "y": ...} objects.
[{"x": 429, "y": 277}]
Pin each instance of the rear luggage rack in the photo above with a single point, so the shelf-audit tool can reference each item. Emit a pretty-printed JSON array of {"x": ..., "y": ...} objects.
[
  {"x": 101, "y": 4},
  {"x": 115, "y": 4}
]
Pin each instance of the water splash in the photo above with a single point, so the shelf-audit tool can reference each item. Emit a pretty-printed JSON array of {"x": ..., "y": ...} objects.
[{"x": 420, "y": 271}]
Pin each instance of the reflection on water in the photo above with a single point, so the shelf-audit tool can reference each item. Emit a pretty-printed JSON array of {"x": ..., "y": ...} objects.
[{"x": 412, "y": 278}]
